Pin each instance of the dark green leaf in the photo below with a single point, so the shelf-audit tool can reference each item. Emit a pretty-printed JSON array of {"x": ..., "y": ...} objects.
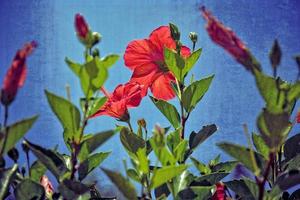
[
  {"x": 197, "y": 138},
  {"x": 288, "y": 180},
  {"x": 131, "y": 173},
  {"x": 211, "y": 179},
  {"x": 260, "y": 145},
  {"x": 122, "y": 184},
  {"x": 72, "y": 190},
  {"x": 28, "y": 190},
  {"x": 195, "y": 92},
  {"x": 131, "y": 141},
  {"x": 275, "y": 54},
  {"x": 293, "y": 163},
  {"x": 162, "y": 191},
  {"x": 201, "y": 167},
  {"x": 225, "y": 166},
  {"x": 16, "y": 131},
  {"x": 53, "y": 161},
  {"x": 181, "y": 182},
  {"x": 253, "y": 188},
  {"x": 6, "y": 176},
  {"x": 169, "y": 111},
  {"x": 91, "y": 163},
  {"x": 243, "y": 155},
  {"x": 37, "y": 170},
  {"x": 202, "y": 192},
  {"x": 162, "y": 175},
  {"x": 68, "y": 115},
  {"x": 292, "y": 147},
  {"x": 240, "y": 188}
]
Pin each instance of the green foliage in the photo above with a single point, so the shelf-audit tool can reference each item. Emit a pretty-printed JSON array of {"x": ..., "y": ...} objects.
[
  {"x": 68, "y": 115},
  {"x": 292, "y": 147},
  {"x": 260, "y": 145},
  {"x": 28, "y": 189},
  {"x": 169, "y": 111},
  {"x": 195, "y": 92},
  {"x": 191, "y": 61},
  {"x": 37, "y": 170},
  {"x": 51, "y": 159},
  {"x": 91, "y": 163},
  {"x": 73, "y": 190},
  {"x": 16, "y": 131},
  {"x": 131, "y": 141},
  {"x": 197, "y": 138},
  {"x": 6, "y": 176},
  {"x": 97, "y": 104},
  {"x": 122, "y": 183}
]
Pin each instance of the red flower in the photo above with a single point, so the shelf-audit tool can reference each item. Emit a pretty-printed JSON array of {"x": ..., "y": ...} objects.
[
  {"x": 123, "y": 97},
  {"x": 146, "y": 59},
  {"x": 227, "y": 39},
  {"x": 81, "y": 26},
  {"x": 16, "y": 74},
  {"x": 45, "y": 182},
  {"x": 220, "y": 192}
]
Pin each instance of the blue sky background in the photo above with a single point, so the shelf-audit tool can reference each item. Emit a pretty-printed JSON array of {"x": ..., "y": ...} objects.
[{"x": 231, "y": 101}]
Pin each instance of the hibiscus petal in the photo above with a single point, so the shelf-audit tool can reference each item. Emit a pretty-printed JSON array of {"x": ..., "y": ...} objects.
[
  {"x": 162, "y": 88},
  {"x": 185, "y": 51},
  {"x": 161, "y": 37},
  {"x": 138, "y": 53}
]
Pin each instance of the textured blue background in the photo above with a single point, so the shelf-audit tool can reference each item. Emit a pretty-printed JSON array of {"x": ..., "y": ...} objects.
[{"x": 231, "y": 101}]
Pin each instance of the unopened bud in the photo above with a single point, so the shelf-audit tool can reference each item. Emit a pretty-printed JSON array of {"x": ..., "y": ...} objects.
[
  {"x": 142, "y": 123},
  {"x": 193, "y": 37},
  {"x": 96, "y": 38},
  {"x": 175, "y": 34},
  {"x": 96, "y": 52}
]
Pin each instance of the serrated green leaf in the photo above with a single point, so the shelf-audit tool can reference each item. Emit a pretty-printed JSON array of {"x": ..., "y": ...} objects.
[
  {"x": 16, "y": 131},
  {"x": 169, "y": 111},
  {"x": 6, "y": 176},
  {"x": 52, "y": 160},
  {"x": 243, "y": 155},
  {"x": 68, "y": 115},
  {"x": 37, "y": 170},
  {"x": 195, "y": 92},
  {"x": 28, "y": 189},
  {"x": 88, "y": 165},
  {"x": 122, "y": 184}
]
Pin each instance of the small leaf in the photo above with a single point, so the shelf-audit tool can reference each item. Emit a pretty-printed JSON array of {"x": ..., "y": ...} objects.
[
  {"x": 243, "y": 155},
  {"x": 29, "y": 189},
  {"x": 73, "y": 190},
  {"x": 180, "y": 150},
  {"x": 195, "y": 92},
  {"x": 181, "y": 182},
  {"x": 169, "y": 111},
  {"x": 191, "y": 61},
  {"x": 260, "y": 145},
  {"x": 143, "y": 162},
  {"x": 162, "y": 153},
  {"x": 197, "y": 138},
  {"x": 201, "y": 167},
  {"x": 240, "y": 188},
  {"x": 275, "y": 54},
  {"x": 292, "y": 147},
  {"x": 293, "y": 163},
  {"x": 109, "y": 60},
  {"x": 253, "y": 188},
  {"x": 225, "y": 166},
  {"x": 37, "y": 170},
  {"x": 131, "y": 141},
  {"x": 211, "y": 179},
  {"x": 88, "y": 165},
  {"x": 6, "y": 176},
  {"x": 122, "y": 184},
  {"x": 162, "y": 175},
  {"x": 53, "y": 161},
  {"x": 75, "y": 67},
  {"x": 68, "y": 115},
  {"x": 98, "y": 103},
  {"x": 131, "y": 173},
  {"x": 16, "y": 131},
  {"x": 202, "y": 192}
]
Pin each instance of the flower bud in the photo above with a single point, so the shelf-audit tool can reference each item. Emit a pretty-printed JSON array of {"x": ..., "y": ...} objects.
[
  {"x": 82, "y": 28},
  {"x": 175, "y": 34},
  {"x": 96, "y": 52},
  {"x": 96, "y": 38},
  {"x": 13, "y": 154},
  {"x": 193, "y": 37},
  {"x": 142, "y": 123}
]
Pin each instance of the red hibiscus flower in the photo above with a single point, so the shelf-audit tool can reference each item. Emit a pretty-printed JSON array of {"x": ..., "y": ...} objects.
[
  {"x": 45, "y": 182},
  {"x": 16, "y": 74},
  {"x": 220, "y": 192},
  {"x": 123, "y": 97},
  {"x": 81, "y": 26},
  {"x": 146, "y": 59},
  {"x": 227, "y": 39}
]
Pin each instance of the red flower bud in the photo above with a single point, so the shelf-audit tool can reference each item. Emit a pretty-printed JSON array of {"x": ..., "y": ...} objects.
[
  {"x": 227, "y": 39},
  {"x": 220, "y": 192},
  {"x": 16, "y": 74},
  {"x": 81, "y": 26}
]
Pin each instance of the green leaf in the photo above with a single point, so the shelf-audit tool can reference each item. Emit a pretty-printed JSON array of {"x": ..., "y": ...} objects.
[
  {"x": 131, "y": 141},
  {"x": 125, "y": 187},
  {"x": 293, "y": 163},
  {"x": 28, "y": 190},
  {"x": 202, "y": 192},
  {"x": 173, "y": 139},
  {"x": 109, "y": 60},
  {"x": 211, "y": 179},
  {"x": 131, "y": 173},
  {"x": 292, "y": 147},
  {"x": 181, "y": 182},
  {"x": 197, "y": 138},
  {"x": 195, "y": 92},
  {"x": 288, "y": 180},
  {"x": 162, "y": 153},
  {"x": 180, "y": 150},
  {"x": 169, "y": 111},
  {"x": 52, "y": 160},
  {"x": 240, "y": 188},
  {"x": 73, "y": 190},
  {"x": 162, "y": 175},
  {"x": 243, "y": 155},
  {"x": 75, "y": 67},
  {"x": 273, "y": 128},
  {"x": 93, "y": 142},
  {"x": 6, "y": 176},
  {"x": 16, "y": 131},
  {"x": 174, "y": 62},
  {"x": 252, "y": 187},
  {"x": 143, "y": 162},
  {"x": 68, "y": 115},
  {"x": 88, "y": 165},
  {"x": 201, "y": 167},
  {"x": 260, "y": 145},
  {"x": 191, "y": 61},
  {"x": 37, "y": 170},
  {"x": 225, "y": 166},
  {"x": 98, "y": 103}
]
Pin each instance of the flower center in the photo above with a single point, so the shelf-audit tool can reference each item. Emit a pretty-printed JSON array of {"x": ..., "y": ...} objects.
[{"x": 162, "y": 66}]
